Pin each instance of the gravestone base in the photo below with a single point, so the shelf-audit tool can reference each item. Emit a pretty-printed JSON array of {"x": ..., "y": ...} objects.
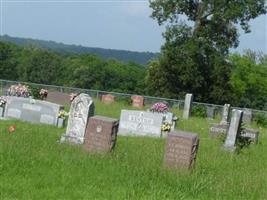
[
  {"x": 180, "y": 150},
  {"x": 251, "y": 134},
  {"x": 71, "y": 140},
  {"x": 218, "y": 130},
  {"x": 101, "y": 134}
]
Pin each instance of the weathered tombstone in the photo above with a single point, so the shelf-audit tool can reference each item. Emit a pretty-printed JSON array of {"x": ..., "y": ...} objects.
[
  {"x": 101, "y": 134},
  {"x": 107, "y": 98},
  {"x": 31, "y": 110},
  {"x": 140, "y": 123},
  {"x": 187, "y": 106},
  {"x": 251, "y": 134},
  {"x": 210, "y": 112},
  {"x": 234, "y": 129},
  {"x": 58, "y": 97},
  {"x": 180, "y": 150},
  {"x": 137, "y": 101},
  {"x": 217, "y": 130},
  {"x": 226, "y": 114},
  {"x": 247, "y": 116},
  {"x": 82, "y": 107}
]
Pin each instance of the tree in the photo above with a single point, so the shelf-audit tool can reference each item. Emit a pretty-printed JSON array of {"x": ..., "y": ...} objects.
[
  {"x": 44, "y": 67},
  {"x": 194, "y": 54},
  {"x": 7, "y": 62}
]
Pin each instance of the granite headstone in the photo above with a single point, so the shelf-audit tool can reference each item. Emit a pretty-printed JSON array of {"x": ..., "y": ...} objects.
[
  {"x": 140, "y": 123},
  {"x": 101, "y": 134},
  {"x": 137, "y": 101},
  {"x": 180, "y": 150},
  {"x": 31, "y": 110}
]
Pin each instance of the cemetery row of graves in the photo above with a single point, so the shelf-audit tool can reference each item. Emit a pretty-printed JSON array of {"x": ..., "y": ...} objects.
[
  {"x": 172, "y": 154},
  {"x": 99, "y": 133}
]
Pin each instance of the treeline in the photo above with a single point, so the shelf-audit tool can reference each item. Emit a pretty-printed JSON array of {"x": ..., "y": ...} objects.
[
  {"x": 122, "y": 55},
  {"x": 240, "y": 81},
  {"x": 37, "y": 65}
]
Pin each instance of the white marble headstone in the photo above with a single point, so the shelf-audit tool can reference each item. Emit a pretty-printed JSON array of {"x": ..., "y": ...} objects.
[
  {"x": 82, "y": 107},
  {"x": 234, "y": 129},
  {"x": 187, "y": 106},
  {"x": 225, "y": 115}
]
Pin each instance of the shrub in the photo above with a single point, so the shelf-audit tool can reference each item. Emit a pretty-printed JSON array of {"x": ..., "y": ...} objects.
[
  {"x": 199, "y": 111},
  {"x": 261, "y": 119}
]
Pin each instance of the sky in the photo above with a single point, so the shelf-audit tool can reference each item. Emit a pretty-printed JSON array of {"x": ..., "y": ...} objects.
[{"x": 113, "y": 24}]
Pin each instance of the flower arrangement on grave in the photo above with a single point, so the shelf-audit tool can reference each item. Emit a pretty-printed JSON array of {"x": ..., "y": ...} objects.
[
  {"x": 19, "y": 90},
  {"x": 159, "y": 107},
  {"x": 72, "y": 96},
  {"x": 43, "y": 93},
  {"x": 3, "y": 101},
  {"x": 166, "y": 127},
  {"x": 62, "y": 114}
]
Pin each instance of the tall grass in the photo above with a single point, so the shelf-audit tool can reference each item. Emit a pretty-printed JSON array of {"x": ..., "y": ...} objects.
[{"x": 33, "y": 165}]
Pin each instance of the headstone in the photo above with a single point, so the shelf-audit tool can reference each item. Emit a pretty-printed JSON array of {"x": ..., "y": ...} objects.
[
  {"x": 58, "y": 97},
  {"x": 1, "y": 112},
  {"x": 101, "y": 134},
  {"x": 82, "y": 107},
  {"x": 210, "y": 112},
  {"x": 217, "y": 130},
  {"x": 187, "y": 106},
  {"x": 137, "y": 101},
  {"x": 180, "y": 150},
  {"x": 234, "y": 129},
  {"x": 140, "y": 123},
  {"x": 251, "y": 134},
  {"x": 247, "y": 116},
  {"x": 226, "y": 114},
  {"x": 31, "y": 110},
  {"x": 171, "y": 119},
  {"x": 107, "y": 98}
]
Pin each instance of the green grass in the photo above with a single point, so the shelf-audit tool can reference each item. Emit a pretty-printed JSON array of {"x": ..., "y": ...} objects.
[{"x": 33, "y": 165}]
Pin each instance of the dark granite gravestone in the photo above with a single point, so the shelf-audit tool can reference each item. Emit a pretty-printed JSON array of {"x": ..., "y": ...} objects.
[
  {"x": 31, "y": 110},
  {"x": 101, "y": 134},
  {"x": 82, "y": 107},
  {"x": 181, "y": 150}
]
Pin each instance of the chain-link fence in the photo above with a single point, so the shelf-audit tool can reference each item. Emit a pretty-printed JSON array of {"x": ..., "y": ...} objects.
[{"x": 97, "y": 94}]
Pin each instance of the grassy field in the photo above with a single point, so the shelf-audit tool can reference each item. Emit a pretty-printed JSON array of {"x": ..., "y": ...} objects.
[{"x": 33, "y": 165}]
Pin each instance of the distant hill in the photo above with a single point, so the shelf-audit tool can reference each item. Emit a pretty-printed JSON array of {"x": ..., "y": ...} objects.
[{"x": 122, "y": 55}]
